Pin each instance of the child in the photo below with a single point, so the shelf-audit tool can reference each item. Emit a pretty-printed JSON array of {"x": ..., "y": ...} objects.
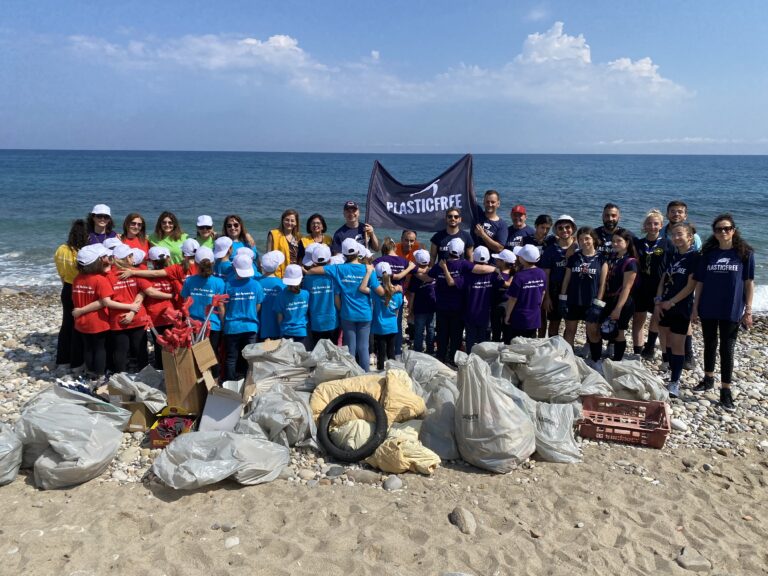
[
  {"x": 421, "y": 298},
  {"x": 386, "y": 309},
  {"x": 323, "y": 315},
  {"x": 92, "y": 298},
  {"x": 505, "y": 261},
  {"x": 525, "y": 295},
  {"x": 292, "y": 305},
  {"x": 241, "y": 320},
  {"x": 269, "y": 328},
  {"x": 222, "y": 251},
  {"x": 158, "y": 309},
  {"x": 619, "y": 306},
  {"x": 478, "y": 291}
]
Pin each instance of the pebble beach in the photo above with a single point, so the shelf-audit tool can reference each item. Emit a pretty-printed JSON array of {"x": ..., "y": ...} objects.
[{"x": 698, "y": 505}]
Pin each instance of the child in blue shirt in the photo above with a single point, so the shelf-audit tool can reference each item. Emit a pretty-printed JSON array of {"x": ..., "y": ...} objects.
[
  {"x": 292, "y": 305},
  {"x": 386, "y": 308},
  {"x": 323, "y": 315},
  {"x": 269, "y": 328},
  {"x": 241, "y": 321}
]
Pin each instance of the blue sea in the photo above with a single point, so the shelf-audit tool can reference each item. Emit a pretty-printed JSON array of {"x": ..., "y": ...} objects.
[{"x": 42, "y": 191}]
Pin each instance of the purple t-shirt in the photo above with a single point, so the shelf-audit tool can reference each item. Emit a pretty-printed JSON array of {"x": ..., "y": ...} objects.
[
  {"x": 397, "y": 264},
  {"x": 450, "y": 298},
  {"x": 423, "y": 295},
  {"x": 516, "y": 236},
  {"x": 528, "y": 288},
  {"x": 553, "y": 259},
  {"x": 723, "y": 274},
  {"x": 478, "y": 291}
]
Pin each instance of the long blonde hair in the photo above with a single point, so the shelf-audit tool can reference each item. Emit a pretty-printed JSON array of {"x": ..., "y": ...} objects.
[{"x": 389, "y": 288}]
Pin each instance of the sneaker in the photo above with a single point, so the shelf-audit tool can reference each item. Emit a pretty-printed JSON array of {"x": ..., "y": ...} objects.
[
  {"x": 608, "y": 351},
  {"x": 689, "y": 363},
  {"x": 707, "y": 383},
  {"x": 726, "y": 400},
  {"x": 674, "y": 389}
]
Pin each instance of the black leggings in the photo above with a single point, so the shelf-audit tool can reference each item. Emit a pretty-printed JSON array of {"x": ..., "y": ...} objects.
[
  {"x": 449, "y": 329},
  {"x": 728, "y": 332},
  {"x": 95, "y": 353},
  {"x": 384, "y": 345},
  {"x": 69, "y": 349},
  {"x": 129, "y": 343}
]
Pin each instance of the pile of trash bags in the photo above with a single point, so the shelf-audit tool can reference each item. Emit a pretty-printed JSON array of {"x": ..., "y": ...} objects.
[{"x": 503, "y": 404}]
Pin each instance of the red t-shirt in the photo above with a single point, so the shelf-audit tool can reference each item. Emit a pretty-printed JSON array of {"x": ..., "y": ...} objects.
[
  {"x": 125, "y": 292},
  {"x": 87, "y": 288},
  {"x": 156, "y": 307},
  {"x": 136, "y": 243},
  {"x": 177, "y": 276}
]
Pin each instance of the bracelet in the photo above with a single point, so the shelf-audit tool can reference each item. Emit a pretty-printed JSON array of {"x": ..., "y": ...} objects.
[
  {"x": 658, "y": 299},
  {"x": 598, "y": 303},
  {"x": 563, "y": 297}
]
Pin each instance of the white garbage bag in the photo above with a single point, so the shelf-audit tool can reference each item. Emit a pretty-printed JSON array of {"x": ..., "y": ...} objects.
[
  {"x": 271, "y": 363},
  {"x": 437, "y": 430},
  {"x": 10, "y": 454},
  {"x": 492, "y": 431},
  {"x": 331, "y": 362},
  {"x": 284, "y": 415},
  {"x": 632, "y": 380},
  {"x": 130, "y": 386},
  {"x": 69, "y": 437},
  {"x": 200, "y": 458}
]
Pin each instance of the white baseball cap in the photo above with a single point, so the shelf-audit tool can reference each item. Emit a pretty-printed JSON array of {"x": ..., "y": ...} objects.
[
  {"x": 89, "y": 254},
  {"x": 321, "y": 254},
  {"x": 101, "y": 209},
  {"x": 190, "y": 247},
  {"x": 481, "y": 255},
  {"x": 122, "y": 251},
  {"x": 159, "y": 252},
  {"x": 138, "y": 256},
  {"x": 245, "y": 251},
  {"x": 292, "y": 275},
  {"x": 204, "y": 254},
  {"x": 456, "y": 247},
  {"x": 506, "y": 255},
  {"x": 421, "y": 257},
  {"x": 337, "y": 259},
  {"x": 111, "y": 243},
  {"x": 221, "y": 246},
  {"x": 383, "y": 268},
  {"x": 243, "y": 266},
  {"x": 349, "y": 247},
  {"x": 271, "y": 261},
  {"x": 205, "y": 220},
  {"x": 307, "y": 260},
  {"x": 529, "y": 253}
]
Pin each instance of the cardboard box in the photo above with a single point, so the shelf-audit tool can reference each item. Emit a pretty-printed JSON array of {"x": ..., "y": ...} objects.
[
  {"x": 222, "y": 410},
  {"x": 141, "y": 418},
  {"x": 188, "y": 377},
  {"x": 161, "y": 434}
]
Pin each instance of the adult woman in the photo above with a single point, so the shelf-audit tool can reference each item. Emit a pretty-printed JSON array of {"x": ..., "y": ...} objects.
[
  {"x": 553, "y": 261},
  {"x": 234, "y": 229},
  {"x": 619, "y": 305},
  {"x": 100, "y": 224},
  {"x": 205, "y": 234},
  {"x": 674, "y": 300},
  {"x": 652, "y": 251},
  {"x": 135, "y": 232},
  {"x": 316, "y": 231},
  {"x": 724, "y": 290},
  {"x": 168, "y": 234},
  {"x": 286, "y": 239},
  {"x": 582, "y": 291},
  {"x": 69, "y": 349}
]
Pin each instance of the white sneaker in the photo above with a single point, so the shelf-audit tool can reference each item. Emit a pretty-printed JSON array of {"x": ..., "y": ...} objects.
[{"x": 674, "y": 389}]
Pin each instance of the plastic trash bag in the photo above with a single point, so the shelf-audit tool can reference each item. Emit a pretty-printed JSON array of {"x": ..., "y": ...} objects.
[
  {"x": 271, "y": 363},
  {"x": 69, "y": 437},
  {"x": 402, "y": 451},
  {"x": 131, "y": 386},
  {"x": 200, "y": 458},
  {"x": 352, "y": 434},
  {"x": 437, "y": 429},
  {"x": 10, "y": 454},
  {"x": 632, "y": 380},
  {"x": 552, "y": 373},
  {"x": 492, "y": 431},
  {"x": 331, "y": 362},
  {"x": 284, "y": 415},
  {"x": 499, "y": 357},
  {"x": 423, "y": 368}
]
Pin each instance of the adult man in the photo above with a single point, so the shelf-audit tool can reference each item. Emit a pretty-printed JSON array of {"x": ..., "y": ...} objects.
[
  {"x": 677, "y": 211},
  {"x": 490, "y": 230},
  {"x": 519, "y": 231},
  {"x": 407, "y": 245},
  {"x": 439, "y": 249},
  {"x": 352, "y": 228},
  {"x": 611, "y": 217}
]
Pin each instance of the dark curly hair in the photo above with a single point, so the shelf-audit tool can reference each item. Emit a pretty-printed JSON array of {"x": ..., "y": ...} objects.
[
  {"x": 743, "y": 249},
  {"x": 78, "y": 234}
]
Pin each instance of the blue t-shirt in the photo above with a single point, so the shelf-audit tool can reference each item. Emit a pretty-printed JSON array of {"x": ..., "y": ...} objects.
[
  {"x": 346, "y": 232},
  {"x": 441, "y": 239},
  {"x": 202, "y": 291},
  {"x": 553, "y": 259},
  {"x": 323, "y": 315},
  {"x": 584, "y": 283},
  {"x": 293, "y": 306},
  {"x": 223, "y": 269},
  {"x": 499, "y": 294},
  {"x": 723, "y": 275},
  {"x": 696, "y": 238},
  {"x": 450, "y": 298},
  {"x": 385, "y": 317},
  {"x": 355, "y": 306},
  {"x": 496, "y": 229},
  {"x": 617, "y": 267},
  {"x": 245, "y": 295},
  {"x": 652, "y": 256},
  {"x": 679, "y": 268},
  {"x": 478, "y": 292},
  {"x": 516, "y": 236},
  {"x": 540, "y": 244},
  {"x": 423, "y": 294},
  {"x": 528, "y": 288},
  {"x": 268, "y": 326}
]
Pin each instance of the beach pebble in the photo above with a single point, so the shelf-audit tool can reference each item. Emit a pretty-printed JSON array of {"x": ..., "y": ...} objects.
[
  {"x": 215, "y": 526},
  {"x": 334, "y": 471},
  {"x": 231, "y": 542},
  {"x": 690, "y": 559},
  {"x": 707, "y": 467},
  {"x": 227, "y": 527},
  {"x": 579, "y": 525},
  {"x": 679, "y": 425},
  {"x": 463, "y": 520},
  {"x": 364, "y": 476},
  {"x": 305, "y": 474},
  {"x": 393, "y": 483},
  {"x": 120, "y": 476}
]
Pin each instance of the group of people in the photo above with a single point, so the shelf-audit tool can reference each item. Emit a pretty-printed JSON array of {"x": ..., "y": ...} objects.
[{"x": 494, "y": 281}]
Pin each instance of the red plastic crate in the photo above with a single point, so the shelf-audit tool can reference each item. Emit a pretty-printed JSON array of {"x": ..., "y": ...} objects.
[{"x": 626, "y": 421}]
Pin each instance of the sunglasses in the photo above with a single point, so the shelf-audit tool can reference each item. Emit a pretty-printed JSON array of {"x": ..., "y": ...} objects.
[
  {"x": 102, "y": 216},
  {"x": 233, "y": 225},
  {"x": 564, "y": 227},
  {"x": 452, "y": 217},
  {"x": 136, "y": 223},
  {"x": 167, "y": 223},
  {"x": 205, "y": 227},
  {"x": 722, "y": 229}
]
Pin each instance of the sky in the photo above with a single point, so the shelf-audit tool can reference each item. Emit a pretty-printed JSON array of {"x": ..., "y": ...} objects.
[{"x": 403, "y": 76}]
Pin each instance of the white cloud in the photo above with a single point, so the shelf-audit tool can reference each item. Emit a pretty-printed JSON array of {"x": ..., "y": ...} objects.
[
  {"x": 554, "y": 69},
  {"x": 537, "y": 14}
]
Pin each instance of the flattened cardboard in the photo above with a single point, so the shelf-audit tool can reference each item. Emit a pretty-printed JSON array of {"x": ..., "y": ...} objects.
[{"x": 222, "y": 410}]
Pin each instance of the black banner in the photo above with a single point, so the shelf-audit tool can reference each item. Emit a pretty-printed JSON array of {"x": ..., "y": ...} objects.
[{"x": 421, "y": 207}]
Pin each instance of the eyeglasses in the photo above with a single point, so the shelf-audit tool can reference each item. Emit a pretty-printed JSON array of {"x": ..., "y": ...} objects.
[
  {"x": 233, "y": 225},
  {"x": 205, "y": 227},
  {"x": 139, "y": 223},
  {"x": 102, "y": 216},
  {"x": 722, "y": 229}
]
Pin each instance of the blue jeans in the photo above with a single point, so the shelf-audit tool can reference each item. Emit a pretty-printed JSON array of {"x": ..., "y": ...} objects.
[
  {"x": 356, "y": 338},
  {"x": 475, "y": 334},
  {"x": 234, "y": 344},
  {"x": 423, "y": 322}
]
